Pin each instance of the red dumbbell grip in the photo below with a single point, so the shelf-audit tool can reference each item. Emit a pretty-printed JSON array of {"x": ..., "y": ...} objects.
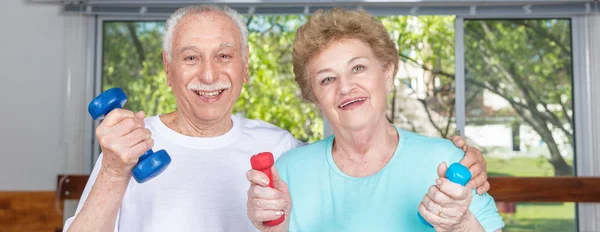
[{"x": 263, "y": 162}]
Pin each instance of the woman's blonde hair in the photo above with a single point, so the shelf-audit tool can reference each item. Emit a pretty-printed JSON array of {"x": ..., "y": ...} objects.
[{"x": 323, "y": 27}]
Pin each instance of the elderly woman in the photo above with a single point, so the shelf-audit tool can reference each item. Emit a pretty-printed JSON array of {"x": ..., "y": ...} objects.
[{"x": 370, "y": 175}]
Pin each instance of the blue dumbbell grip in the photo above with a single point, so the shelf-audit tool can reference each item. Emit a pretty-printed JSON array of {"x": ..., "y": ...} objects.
[
  {"x": 151, "y": 163},
  {"x": 107, "y": 101},
  {"x": 456, "y": 173}
]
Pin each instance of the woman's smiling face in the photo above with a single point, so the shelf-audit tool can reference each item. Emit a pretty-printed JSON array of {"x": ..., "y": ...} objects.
[{"x": 350, "y": 83}]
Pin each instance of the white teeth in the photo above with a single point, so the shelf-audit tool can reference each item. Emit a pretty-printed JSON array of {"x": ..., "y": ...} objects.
[
  {"x": 209, "y": 94},
  {"x": 353, "y": 101}
]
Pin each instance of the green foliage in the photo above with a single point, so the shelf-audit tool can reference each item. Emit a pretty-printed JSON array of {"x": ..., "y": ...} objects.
[
  {"x": 139, "y": 71},
  {"x": 427, "y": 43},
  {"x": 528, "y": 63},
  {"x": 272, "y": 94},
  {"x": 132, "y": 60}
]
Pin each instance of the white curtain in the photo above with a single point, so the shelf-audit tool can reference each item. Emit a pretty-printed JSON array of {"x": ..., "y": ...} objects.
[
  {"x": 77, "y": 89},
  {"x": 587, "y": 68}
]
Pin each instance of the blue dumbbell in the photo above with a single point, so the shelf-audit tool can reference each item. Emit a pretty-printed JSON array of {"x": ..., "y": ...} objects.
[
  {"x": 151, "y": 163},
  {"x": 456, "y": 173}
]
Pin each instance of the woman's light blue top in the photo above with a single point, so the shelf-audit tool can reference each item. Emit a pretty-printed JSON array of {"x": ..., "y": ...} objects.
[{"x": 326, "y": 199}]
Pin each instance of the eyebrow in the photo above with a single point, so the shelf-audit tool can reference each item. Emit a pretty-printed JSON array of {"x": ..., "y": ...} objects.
[
  {"x": 194, "y": 48},
  {"x": 226, "y": 45},
  {"x": 356, "y": 58},
  {"x": 350, "y": 61},
  {"x": 191, "y": 47}
]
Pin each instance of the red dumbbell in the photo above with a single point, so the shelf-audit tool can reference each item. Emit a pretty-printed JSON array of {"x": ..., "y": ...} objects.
[{"x": 263, "y": 162}]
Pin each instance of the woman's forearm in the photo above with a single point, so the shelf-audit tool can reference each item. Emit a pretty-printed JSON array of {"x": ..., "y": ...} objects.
[
  {"x": 102, "y": 205},
  {"x": 471, "y": 224}
]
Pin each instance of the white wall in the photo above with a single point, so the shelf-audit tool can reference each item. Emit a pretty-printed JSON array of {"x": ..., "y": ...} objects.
[{"x": 31, "y": 95}]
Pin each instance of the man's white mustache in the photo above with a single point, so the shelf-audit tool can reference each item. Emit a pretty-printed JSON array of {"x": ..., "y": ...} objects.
[{"x": 209, "y": 87}]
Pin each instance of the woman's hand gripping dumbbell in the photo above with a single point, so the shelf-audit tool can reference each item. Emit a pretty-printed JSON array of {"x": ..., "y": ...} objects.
[
  {"x": 446, "y": 205},
  {"x": 126, "y": 143},
  {"x": 268, "y": 197}
]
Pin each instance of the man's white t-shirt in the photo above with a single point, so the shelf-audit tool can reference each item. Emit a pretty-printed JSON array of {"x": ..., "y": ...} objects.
[{"x": 204, "y": 188}]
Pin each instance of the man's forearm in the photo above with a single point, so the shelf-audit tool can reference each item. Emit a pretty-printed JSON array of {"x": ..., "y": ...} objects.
[{"x": 102, "y": 205}]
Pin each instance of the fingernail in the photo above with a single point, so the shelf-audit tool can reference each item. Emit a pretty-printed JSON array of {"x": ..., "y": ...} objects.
[
  {"x": 265, "y": 181},
  {"x": 279, "y": 213},
  {"x": 438, "y": 181}
]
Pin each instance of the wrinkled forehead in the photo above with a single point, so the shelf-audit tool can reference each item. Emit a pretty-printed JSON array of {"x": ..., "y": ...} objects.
[
  {"x": 207, "y": 28},
  {"x": 338, "y": 53}
]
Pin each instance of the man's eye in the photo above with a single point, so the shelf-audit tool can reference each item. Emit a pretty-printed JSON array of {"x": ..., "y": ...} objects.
[
  {"x": 327, "y": 80},
  {"x": 358, "y": 68},
  {"x": 191, "y": 58},
  {"x": 224, "y": 57}
]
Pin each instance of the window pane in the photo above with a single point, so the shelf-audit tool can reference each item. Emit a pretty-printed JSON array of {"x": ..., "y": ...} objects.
[
  {"x": 519, "y": 107},
  {"x": 423, "y": 98},
  {"x": 132, "y": 60},
  {"x": 537, "y": 216}
]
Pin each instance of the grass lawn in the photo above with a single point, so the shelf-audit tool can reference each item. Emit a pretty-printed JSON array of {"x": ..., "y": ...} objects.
[{"x": 559, "y": 217}]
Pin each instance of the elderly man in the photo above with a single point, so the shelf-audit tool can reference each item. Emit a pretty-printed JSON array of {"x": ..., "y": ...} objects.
[{"x": 205, "y": 54}]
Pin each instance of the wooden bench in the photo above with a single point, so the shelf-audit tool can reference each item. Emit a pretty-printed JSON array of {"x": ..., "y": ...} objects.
[{"x": 42, "y": 211}]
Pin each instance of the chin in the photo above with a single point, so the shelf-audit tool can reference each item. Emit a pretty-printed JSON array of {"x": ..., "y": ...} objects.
[
  {"x": 210, "y": 114},
  {"x": 356, "y": 124}
]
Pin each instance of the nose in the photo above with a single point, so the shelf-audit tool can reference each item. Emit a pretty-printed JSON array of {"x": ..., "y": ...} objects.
[
  {"x": 345, "y": 85},
  {"x": 209, "y": 72}
]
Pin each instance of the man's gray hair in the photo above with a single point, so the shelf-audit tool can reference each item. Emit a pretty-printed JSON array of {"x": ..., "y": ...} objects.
[{"x": 178, "y": 15}]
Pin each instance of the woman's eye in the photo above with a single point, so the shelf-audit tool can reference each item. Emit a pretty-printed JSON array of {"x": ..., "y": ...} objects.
[
  {"x": 358, "y": 68},
  {"x": 327, "y": 80}
]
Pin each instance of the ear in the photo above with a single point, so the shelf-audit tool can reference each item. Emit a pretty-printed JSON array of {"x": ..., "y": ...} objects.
[
  {"x": 246, "y": 67},
  {"x": 166, "y": 65},
  {"x": 388, "y": 71}
]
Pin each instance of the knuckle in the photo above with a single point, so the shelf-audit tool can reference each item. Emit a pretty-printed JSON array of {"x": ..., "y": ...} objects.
[
  {"x": 248, "y": 175},
  {"x": 432, "y": 189},
  {"x": 147, "y": 132},
  {"x": 128, "y": 123},
  {"x": 102, "y": 140},
  {"x": 99, "y": 131},
  {"x": 112, "y": 146},
  {"x": 255, "y": 191},
  {"x": 250, "y": 193},
  {"x": 150, "y": 143},
  {"x": 436, "y": 196}
]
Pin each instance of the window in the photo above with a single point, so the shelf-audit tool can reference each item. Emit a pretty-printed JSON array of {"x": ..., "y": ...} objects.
[
  {"x": 518, "y": 99},
  {"x": 518, "y": 90},
  {"x": 132, "y": 60},
  {"x": 519, "y": 107}
]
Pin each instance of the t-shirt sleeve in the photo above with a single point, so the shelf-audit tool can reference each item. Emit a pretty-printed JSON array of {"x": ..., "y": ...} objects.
[
  {"x": 86, "y": 193},
  {"x": 287, "y": 143},
  {"x": 484, "y": 209},
  {"x": 482, "y": 206},
  {"x": 282, "y": 167}
]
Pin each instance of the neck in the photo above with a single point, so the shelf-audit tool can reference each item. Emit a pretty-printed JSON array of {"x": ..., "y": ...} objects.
[
  {"x": 196, "y": 128},
  {"x": 365, "y": 151}
]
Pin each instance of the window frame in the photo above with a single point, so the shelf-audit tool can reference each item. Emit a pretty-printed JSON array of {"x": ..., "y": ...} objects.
[{"x": 582, "y": 90}]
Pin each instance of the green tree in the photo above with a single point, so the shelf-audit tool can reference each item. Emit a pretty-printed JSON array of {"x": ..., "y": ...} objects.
[
  {"x": 272, "y": 94},
  {"x": 132, "y": 60},
  {"x": 526, "y": 62},
  {"x": 426, "y": 42}
]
